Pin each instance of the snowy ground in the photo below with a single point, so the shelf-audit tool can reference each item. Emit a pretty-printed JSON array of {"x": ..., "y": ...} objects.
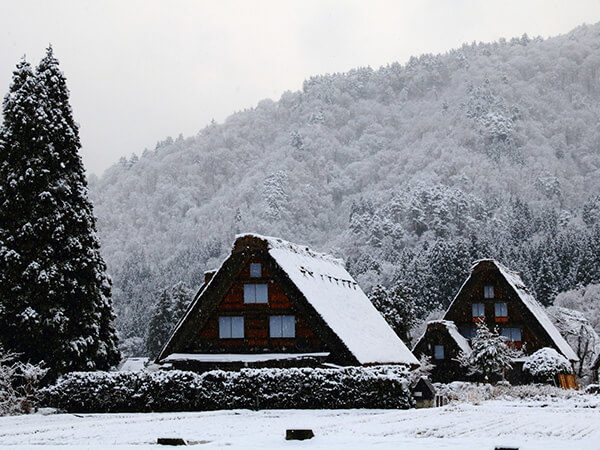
[{"x": 527, "y": 425}]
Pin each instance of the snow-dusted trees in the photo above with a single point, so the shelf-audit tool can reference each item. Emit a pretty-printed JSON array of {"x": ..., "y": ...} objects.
[
  {"x": 490, "y": 357},
  {"x": 171, "y": 307},
  {"x": 456, "y": 148},
  {"x": 545, "y": 364},
  {"x": 54, "y": 293},
  {"x": 397, "y": 306}
]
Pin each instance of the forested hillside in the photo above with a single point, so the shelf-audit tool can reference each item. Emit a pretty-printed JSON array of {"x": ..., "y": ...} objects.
[{"x": 409, "y": 172}]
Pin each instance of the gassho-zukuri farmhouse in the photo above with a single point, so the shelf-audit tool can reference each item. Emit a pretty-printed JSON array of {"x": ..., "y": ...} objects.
[{"x": 277, "y": 304}]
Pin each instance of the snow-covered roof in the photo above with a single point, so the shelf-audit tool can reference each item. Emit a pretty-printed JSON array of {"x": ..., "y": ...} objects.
[
  {"x": 133, "y": 364},
  {"x": 460, "y": 340},
  {"x": 241, "y": 357},
  {"x": 338, "y": 299},
  {"x": 515, "y": 281}
]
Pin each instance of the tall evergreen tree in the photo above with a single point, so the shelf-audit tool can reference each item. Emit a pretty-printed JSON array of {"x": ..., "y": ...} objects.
[{"x": 55, "y": 301}]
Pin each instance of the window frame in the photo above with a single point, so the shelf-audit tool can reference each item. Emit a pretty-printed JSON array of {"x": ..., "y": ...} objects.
[
  {"x": 486, "y": 291},
  {"x": 480, "y": 306},
  {"x": 253, "y": 273},
  {"x": 511, "y": 332},
  {"x": 436, "y": 354},
  {"x": 226, "y": 327},
  {"x": 277, "y": 327},
  {"x": 505, "y": 315},
  {"x": 253, "y": 287}
]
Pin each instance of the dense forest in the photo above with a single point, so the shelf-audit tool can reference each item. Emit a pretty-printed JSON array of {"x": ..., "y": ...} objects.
[{"x": 409, "y": 172}]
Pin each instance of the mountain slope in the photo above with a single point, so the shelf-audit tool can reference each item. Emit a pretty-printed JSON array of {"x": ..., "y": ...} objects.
[{"x": 369, "y": 164}]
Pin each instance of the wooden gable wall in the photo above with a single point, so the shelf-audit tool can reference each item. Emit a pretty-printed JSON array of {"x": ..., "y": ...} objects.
[
  {"x": 256, "y": 320},
  {"x": 533, "y": 337}
]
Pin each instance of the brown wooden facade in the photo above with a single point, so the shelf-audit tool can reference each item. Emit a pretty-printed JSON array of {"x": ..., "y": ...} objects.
[
  {"x": 486, "y": 296},
  {"x": 517, "y": 317},
  {"x": 223, "y": 296},
  {"x": 256, "y": 320}
]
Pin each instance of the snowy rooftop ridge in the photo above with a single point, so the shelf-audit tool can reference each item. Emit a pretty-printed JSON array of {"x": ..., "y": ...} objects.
[
  {"x": 460, "y": 340},
  {"x": 275, "y": 242}
]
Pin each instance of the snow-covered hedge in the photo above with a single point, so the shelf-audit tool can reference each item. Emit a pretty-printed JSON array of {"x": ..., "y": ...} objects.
[
  {"x": 249, "y": 388},
  {"x": 546, "y": 363},
  {"x": 463, "y": 391}
]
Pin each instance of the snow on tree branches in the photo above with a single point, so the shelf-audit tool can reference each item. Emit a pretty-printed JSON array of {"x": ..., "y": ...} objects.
[
  {"x": 490, "y": 356},
  {"x": 54, "y": 293}
]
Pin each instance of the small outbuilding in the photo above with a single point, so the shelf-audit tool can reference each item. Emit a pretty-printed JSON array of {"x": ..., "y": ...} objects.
[{"x": 424, "y": 393}]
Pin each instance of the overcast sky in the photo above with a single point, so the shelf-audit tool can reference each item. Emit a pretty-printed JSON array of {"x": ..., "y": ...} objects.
[{"x": 143, "y": 70}]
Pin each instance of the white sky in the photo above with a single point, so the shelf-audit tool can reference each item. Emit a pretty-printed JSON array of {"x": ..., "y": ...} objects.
[{"x": 143, "y": 70}]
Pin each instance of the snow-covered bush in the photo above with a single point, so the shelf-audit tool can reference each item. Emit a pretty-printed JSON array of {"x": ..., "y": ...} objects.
[
  {"x": 546, "y": 363},
  {"x": 18, "y": 384},
  {"x": 462, "y": 391},
  {"x": 351, "y": 387}
]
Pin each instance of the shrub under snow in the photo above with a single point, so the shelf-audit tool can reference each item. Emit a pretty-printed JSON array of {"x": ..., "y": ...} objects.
[
  {"x": 18, "y": 384},
  {"x": 351, "y": 387},
  {"x": 546, "y": 363}
]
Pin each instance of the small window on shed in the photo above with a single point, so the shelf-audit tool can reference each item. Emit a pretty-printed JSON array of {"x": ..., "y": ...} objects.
[
  {"x": 438, "y": 352},
  {"x": 255, "y": 270},
  {"x": 478, "y": 310},
  {"x": 488, "y": 292}
]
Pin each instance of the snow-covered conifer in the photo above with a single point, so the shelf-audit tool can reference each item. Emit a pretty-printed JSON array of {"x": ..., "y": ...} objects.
[
  {"x": 490, "y": 356},
  {"x": 54, "y": 293},
  {"x": 396, "y": 305}
]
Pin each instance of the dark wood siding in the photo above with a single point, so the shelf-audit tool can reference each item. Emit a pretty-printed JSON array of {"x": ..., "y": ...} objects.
[
  {"x": 533, "y": 337},
  {"x": 256, "y": 321}
]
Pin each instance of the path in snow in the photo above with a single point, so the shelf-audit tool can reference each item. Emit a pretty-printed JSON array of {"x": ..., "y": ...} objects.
[{"x": 527, "y": 426}]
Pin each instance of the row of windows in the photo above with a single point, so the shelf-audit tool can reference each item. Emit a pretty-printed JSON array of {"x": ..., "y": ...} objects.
[
  {"x": 500, "y": 310},
  {"x": 512, "y": 334},
  {"x": 232, "y": 327}
]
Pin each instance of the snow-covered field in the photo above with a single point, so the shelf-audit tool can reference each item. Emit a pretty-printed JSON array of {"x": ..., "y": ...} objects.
[{"x": 528, "y": 425}]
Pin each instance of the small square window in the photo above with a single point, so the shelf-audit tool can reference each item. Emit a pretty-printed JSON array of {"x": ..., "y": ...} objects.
[
  {"x": 255, "y": 270},
  {"x": 282, "y": 326},
  {"x": 256, "y": 293},
  {"x": 512, "y": 334},
  {"x": 468, "y": 332},
  {"x": 488, "y": 292},
  {"x": 501, "y": 310},
  {"x": 478, "y": 310},
  {"x": 438, "y": 352},
  {"x": 231, "y": 327}
]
